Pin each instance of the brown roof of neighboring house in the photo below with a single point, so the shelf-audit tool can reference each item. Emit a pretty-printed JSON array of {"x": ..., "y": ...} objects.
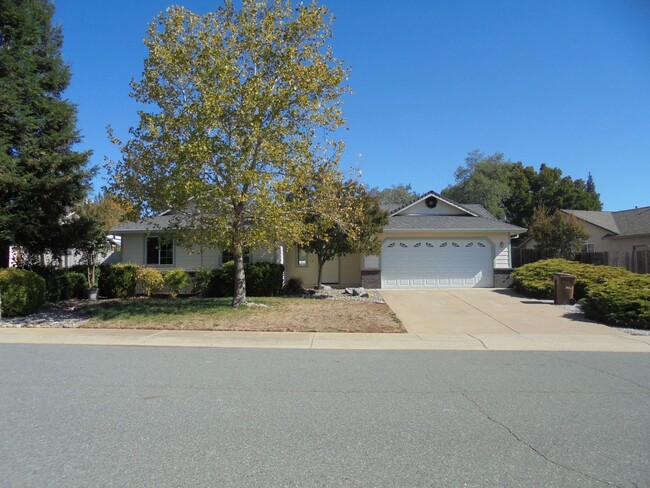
[{"x": 631, "y": 222}]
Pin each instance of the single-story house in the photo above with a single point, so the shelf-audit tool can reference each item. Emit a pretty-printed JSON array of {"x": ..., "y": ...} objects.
[
  {"x": 623, "y": 231},
  {"x": 432, "y": 242}
]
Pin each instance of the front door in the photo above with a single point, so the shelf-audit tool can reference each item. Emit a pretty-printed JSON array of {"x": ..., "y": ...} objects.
[{"x": 331, "y": 271}]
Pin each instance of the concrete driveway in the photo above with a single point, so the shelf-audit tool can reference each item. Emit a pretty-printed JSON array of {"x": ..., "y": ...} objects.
[{"x": 479, "y": 311}]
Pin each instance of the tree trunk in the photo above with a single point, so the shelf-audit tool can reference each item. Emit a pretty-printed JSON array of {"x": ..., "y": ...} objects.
[
  {"x": 239, "y": 294},
  {"x": 321, "y": 263}
]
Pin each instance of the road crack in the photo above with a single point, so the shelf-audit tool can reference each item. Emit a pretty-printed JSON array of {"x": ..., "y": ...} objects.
[
  {"x": 603, "y": 372},
  {"x": 530, "y": 446}
]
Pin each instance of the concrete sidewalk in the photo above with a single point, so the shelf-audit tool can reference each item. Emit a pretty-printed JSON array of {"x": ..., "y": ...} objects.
[{"x": 620, "y": 342}]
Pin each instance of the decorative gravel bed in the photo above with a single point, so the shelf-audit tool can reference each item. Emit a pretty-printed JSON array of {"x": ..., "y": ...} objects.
[
  {"x": 336, "y": 294},
  {"x": 62, "y": 314}
]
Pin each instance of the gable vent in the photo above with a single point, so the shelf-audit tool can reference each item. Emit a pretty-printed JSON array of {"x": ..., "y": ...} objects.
[{"x": 431, "y": 202}]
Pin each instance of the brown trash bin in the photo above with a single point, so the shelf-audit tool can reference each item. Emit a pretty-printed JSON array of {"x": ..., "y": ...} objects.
[{"x": 564, "y": 285}]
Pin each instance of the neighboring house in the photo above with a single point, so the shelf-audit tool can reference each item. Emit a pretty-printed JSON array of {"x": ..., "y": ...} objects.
[
  {"x": 623, "y": 231},
  {"x": 16, "y": 255},
  {"x": 432, "y": 242}
]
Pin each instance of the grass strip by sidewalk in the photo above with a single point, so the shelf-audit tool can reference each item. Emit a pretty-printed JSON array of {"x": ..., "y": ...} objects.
[{"x": 279, "y": 314}]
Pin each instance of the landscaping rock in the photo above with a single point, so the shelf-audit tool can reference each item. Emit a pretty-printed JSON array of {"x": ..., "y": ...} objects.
[
  {"x": 349, "y": 291},
  {"x": 360, "y": 292},
  {"x": 324, "y": 288}
]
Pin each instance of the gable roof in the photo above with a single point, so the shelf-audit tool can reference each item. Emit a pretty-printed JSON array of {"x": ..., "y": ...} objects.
[
  {"x": 623, "y": 223},
  {"x": 476, "y": 218},
  {"x": 439, "y": 197}
]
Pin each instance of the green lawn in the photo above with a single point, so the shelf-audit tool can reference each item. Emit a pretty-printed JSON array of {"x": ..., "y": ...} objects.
[{"x": 164, "y": 308}]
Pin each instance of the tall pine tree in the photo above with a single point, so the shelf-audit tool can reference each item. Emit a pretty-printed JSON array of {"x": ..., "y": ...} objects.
[{"x": 41, "y": 176}]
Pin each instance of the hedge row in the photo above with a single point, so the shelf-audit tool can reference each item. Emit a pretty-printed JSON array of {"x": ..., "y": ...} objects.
[
  {"x": 62, "y": 283},
  {"x": 262, "y": 279},
  {"x": 608, "y": 294}
]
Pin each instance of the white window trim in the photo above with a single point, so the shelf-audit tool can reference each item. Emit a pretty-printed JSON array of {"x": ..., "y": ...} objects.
[{"x": 298, "y": 263}]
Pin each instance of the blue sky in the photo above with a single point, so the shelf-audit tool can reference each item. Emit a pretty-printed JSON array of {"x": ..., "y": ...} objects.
[{"x": 565, "y": 83}]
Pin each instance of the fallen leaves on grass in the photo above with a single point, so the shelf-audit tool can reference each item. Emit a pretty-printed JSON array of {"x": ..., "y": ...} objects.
[{"x": 279, "y": 315}]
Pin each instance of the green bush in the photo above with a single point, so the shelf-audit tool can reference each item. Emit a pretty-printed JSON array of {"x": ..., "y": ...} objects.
[
  {"x": 294, "y": 287},
  {"x": 263, "y": 279},
  {"x": 83, "y": 269},
  {"x": 608, "y": 294},
  {"x": 118, "y": 280},
  {"x": 205, "y": 282},
  {"x": 176, "y": 279},
  {"x": 72, "y": 285},
  {"x": 150, "y": 279},
  {"x": 61, "y": 283},
  {"x": 536, "y": 279},
  {"x": 23, "y": 292},
  {"x": 620, "y": 301}
]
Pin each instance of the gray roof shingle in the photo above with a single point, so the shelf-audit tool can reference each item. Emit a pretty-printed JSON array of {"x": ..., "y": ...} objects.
[
  {"x": 631, "y": 222},
  {"x": 449, "y": 222}
]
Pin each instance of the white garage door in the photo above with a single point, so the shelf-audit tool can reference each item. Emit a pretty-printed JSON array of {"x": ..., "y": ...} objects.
[{"x": 436, "y": 263}]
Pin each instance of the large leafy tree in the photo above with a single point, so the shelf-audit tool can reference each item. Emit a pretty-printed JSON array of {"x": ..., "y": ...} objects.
[
  {"x": 238, "y": 101},
  {"x": 484, "y": 180},
  {"x": 351, "y": 222},
  {"x": 399, "y": 194},
  {"x": 41, "y": 176},
  {"x": 556, "y": 235},
  {"x": 512, "y": 191}
]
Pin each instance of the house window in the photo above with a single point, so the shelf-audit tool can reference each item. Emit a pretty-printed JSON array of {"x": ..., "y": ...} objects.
[
  {"x": 160, "y": 250},
  {"x": 301, "y": 256},
  {"x": 588, "y": 248},
  {"x": 228, "y": 256}
]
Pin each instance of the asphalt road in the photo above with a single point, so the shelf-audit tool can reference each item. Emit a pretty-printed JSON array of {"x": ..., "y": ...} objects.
[{"x": 128, "y": 416}]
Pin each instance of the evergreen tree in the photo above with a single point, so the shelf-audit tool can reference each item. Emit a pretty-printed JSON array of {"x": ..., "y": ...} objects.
[{"x": 41, "y": 176}]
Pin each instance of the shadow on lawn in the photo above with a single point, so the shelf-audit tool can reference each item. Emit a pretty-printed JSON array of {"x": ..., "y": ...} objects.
[{"x": 151, "y": 307}]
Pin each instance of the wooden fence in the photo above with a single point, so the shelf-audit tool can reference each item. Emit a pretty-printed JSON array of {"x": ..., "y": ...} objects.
[{"x": 637, "y": 261}]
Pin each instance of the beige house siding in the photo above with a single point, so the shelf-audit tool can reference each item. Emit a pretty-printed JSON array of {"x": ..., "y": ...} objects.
[
  {"x": 627, "y": 244},
  {"x": 133, "y": 251},
  {"x": 133, "y": 248},
  {"x": 349, "y": 269},
  {"x": 597, "y": 237}
]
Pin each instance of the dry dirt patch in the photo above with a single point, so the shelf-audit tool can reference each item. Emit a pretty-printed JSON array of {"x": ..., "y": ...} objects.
[{"x": 278, "y": 314}]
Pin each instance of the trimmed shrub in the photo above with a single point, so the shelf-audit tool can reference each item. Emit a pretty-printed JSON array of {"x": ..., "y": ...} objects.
[
  {"x": 608, "y": 294},
  {"x": 74, "y": 285},
  {"x": 118, "y": 280},
  {"x": 294, "y": 287},
  {"x": 150, "y": 279},
  {"x": 624, "y": 302},
  {"x": 61, "y": 283},
  {"x": 23, "y": 292},
  {"x": 536, "y": 279},
  {"x": 205, "y": 282},
  {"x": 176, "y": 279},
  {"x": 225, "y": 279},
  {"x": 263, "y": 279},
  {"x": 83, "y": 269}
]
